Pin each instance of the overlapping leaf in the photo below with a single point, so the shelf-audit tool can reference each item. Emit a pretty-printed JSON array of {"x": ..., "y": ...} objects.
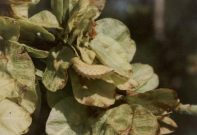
[
  {"x": 143, "y": 79},
  {"x": 92, "y": 92},
  {"x": 19, "y": 7},
  {"x": 55, "y": 75},
  {"x": 17, "y": 74},
  {"x": 110, "y": 53},
  {"x": 10, "y": 29},
  {"x": 14, "y": 120},
  {"x": 65, "y": 119},
  {"x": 46, "y": 19},
  {"x": 54, "y": 97},
  {"x": 157, "y": 101},
  {"x": 31, "y": 32},
  {"x": 90, "y": 71},
  {"x": 118, "y": 31},
  {"x": 62, "y": 8},
  {"x": 68, "y": 117}
]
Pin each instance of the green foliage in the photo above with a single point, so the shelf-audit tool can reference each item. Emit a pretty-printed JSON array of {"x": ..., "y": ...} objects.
[{"x": 68, "y": 46}]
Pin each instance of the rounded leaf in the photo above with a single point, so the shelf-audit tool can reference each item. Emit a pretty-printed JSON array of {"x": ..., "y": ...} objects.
[
  {"x": 46, "y": 19},
  {"x": 110, "y": 53},
  {"x": 92, "y": 92},
  {"x": 118, "y": 31},
  {"x": 67, "y": 118},
  {"x": 17, "y": 69},
  {"x": 14, "y": 120}
]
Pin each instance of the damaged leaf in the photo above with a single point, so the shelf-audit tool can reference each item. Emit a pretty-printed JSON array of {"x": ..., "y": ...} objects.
[
  {"x": 18, "y": 74},
  {"x": 124, "y": 120},
  {"x": 157, "y": 101},
  {"x": 55, "y": 75}
]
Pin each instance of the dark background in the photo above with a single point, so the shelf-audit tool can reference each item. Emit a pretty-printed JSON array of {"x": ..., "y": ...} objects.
[{"x": 173, "y": 54}]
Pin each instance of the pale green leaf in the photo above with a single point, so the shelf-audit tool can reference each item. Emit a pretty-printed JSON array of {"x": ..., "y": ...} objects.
[
  {"x": 144, "y": 122},
  {"x": 92, "y": 92},
  {"x": 149, "y": 85},
  {"x": 17, "y": 74},
  {"x": 110, "y": 53},
  {"x": 114, "y": 121},
  {"x": 55, "y": 75},
  {"x": 87, "y": 55},
  {"x": 14, "y": 120},
  {"x": 62, "y": 8},
  {"x": 46, "y": 19},
  {"x": 20, "y": 10},
  {"x": 36, "y": 53},
  {"x": 118, "y": 31},
  {"x": 142, "y": 73},
  {"x": 67, "y": 118},
  {"x": 124, "y": 120}
]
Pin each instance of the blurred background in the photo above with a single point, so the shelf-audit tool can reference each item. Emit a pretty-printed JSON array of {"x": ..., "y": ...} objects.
[{"x": 165, "y": 32}]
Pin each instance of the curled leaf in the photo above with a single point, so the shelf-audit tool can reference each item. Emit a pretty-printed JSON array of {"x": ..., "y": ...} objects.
[
  {"x": 31, "y": 32},
  {"x": 90, "y": 71},
  {"x": 62, "y": 8},
  {"x": 87, "y": 55},
  {"x": 55, "y": 75},
  {"x": 36, "y": 53},
  {"x": 168, "y": 126},
  {"x": 10, "y": 29}
]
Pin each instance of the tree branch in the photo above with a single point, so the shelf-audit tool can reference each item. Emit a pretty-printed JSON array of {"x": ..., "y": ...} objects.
[{"x": 187, "y": 109}]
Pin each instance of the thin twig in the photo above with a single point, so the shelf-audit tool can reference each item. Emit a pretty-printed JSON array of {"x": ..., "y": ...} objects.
[{"x": 187, "y": 109}]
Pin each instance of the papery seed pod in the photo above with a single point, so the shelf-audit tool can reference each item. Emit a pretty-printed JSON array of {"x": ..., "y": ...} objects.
[{"x": 90, "y": 71}]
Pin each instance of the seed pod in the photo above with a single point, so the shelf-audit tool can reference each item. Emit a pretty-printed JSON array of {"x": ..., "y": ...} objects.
[{"x": 90, "y": 71}]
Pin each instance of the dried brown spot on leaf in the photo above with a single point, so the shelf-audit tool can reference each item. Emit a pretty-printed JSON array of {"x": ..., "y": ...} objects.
[
  {"x": 17, "y": 75},
  {"x": 157, "y": 101},
  {"x": 55, "y": 76}
]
